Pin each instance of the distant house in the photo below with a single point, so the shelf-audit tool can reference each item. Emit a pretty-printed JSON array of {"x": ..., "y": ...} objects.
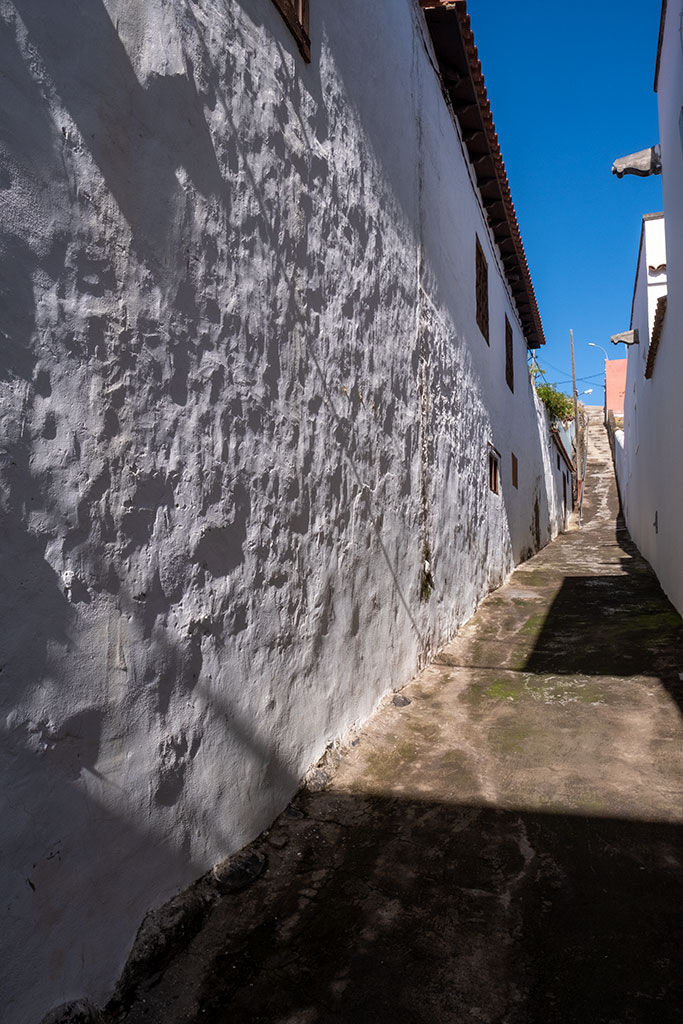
[
  {"x": 563, "y": 438},
  {"x": 648, "y": 453},
  {"x": 615, "y": 385}
]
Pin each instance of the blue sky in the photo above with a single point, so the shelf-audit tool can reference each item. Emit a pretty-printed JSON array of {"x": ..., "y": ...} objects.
[{"x": 571, "y": 89}]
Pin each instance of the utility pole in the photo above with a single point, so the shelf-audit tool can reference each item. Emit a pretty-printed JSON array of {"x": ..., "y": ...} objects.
[
  {"x": 576, "y": 418},
  {"x": 576, "y": 398}
]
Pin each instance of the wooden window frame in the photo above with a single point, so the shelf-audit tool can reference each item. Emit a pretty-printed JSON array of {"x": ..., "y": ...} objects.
[
  {"x": 494, "y": 470},
  {"x": 296, "y": 16},
  {"x": 482, "y": 289},
  {"x": 515, "y": 470},
  {"x": 509, "y": 356}
]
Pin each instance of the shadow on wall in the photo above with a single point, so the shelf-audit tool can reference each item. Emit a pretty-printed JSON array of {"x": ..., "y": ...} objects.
[
  {"x": 17, "y": 307},
  {"x": 138, "y": 136},
  {"x": 66, "y": 891},
  {"x": 171, "y": 131},
  {"x": 389, "y": 910},
  {"x": 29, "y": 146}
]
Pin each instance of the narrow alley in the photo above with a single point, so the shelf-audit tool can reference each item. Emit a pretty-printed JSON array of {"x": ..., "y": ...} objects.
[{"x": 502, "y": 845}]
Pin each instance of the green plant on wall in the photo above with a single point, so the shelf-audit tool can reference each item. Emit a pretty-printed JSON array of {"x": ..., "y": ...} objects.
[
  {"x": 426, "y": 578},
  {"x": 559, "y": 405}
]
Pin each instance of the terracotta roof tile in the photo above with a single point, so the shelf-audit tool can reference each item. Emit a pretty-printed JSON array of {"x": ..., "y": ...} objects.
[{"x": 463, "y": 80}]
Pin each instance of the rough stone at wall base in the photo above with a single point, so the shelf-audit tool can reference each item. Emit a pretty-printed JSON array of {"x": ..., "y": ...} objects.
[
  {"x": 78, "y": 1012},
  {"x": 163, "y": 933},
  {"x": 401, "y": 702},
  {"x": 168, "y": 930},
  {"x": 239, "y": 871}
]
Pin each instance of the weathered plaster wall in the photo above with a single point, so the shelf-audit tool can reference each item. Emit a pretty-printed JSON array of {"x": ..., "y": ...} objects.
[
  {"x": 650, "y": 485},
  {"x": 650, "y": 480},
  {"x": 661, "y": 423},
  {"x": 636, "y": 469},
  {"x": 243, "y": 391},
  {"x": 620, "y": 467}
]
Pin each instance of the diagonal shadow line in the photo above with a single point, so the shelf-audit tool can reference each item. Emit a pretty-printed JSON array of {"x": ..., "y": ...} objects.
[{"x": 137, "y": 135}]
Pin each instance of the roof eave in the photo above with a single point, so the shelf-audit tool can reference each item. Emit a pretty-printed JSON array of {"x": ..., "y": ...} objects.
[
  {"x": 463, "y": 82},
  {"x": 659, "y": 43},
  {"x": 555, "y": 434}
]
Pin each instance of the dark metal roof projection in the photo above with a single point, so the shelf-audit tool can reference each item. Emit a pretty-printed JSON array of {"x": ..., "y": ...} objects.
[{"x": 463, "y": 81}]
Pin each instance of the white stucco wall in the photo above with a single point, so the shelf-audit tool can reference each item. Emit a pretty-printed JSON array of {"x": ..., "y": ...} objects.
[
  {"x": 642, "y": 447},
  {"x": 651, "y": 481},
  {"x": 620, "y": 463},
  {"x": 651, "y": 280},
  {"x": 242, "y": 389}
]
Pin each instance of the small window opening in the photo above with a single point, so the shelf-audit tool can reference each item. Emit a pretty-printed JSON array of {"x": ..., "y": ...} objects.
[
  {"x": 515, "y": 465},
  {"x": 482, "y": 291},
  {"x": 558, "y": 460},
  {"x": 494, "y": 471},
  {"x": 509, "y": 361}
]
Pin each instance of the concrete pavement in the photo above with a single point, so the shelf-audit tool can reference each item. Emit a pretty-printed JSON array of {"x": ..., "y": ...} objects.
[{"x": 507, "y": 848}]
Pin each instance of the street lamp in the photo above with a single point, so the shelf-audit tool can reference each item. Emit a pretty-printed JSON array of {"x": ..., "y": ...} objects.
[{"x": 592, "y": 344}]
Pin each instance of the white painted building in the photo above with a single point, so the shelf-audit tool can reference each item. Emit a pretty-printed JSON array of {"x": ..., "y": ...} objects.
[
  {"x": 246, "y": 395},
  {"x": 637, "y": 463},
  {"x": 648, "y": 452}
]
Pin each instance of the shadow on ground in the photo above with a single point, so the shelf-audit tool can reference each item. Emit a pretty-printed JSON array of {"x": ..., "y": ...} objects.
[
  {"x": 613, "y": 625},
  {"x": 377, "y": 909}
]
